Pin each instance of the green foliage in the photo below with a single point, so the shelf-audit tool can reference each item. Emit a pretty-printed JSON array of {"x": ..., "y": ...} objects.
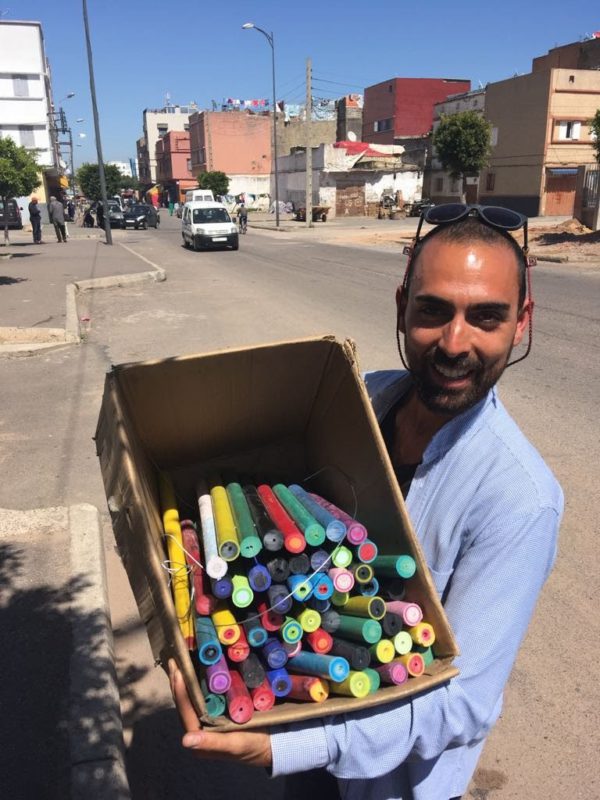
[
  {"x": 595, "y": 129},
  {"x": 88, "y": 179},
  {"x": 129, "y": 183},
  {"x": 217, "y": 181},
  {"x": 462, "y": 143},
  {"x": 18, "y": 173}
]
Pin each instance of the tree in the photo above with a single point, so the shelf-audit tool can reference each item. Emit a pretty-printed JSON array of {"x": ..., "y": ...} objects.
[
  {"x": 19, "y": 174},
  {"x": 595, "y": 130},
  {"x": 88, "y": 178},
  {"x": 462, "y": 144},
  {"x": 217, "y": 181}
]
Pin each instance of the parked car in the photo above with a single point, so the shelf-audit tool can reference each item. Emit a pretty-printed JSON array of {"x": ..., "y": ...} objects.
[
  {"x": 417, "y": 207},
  {"x": 141, "y": 216},
  {"x": 208, "y": 225},
  {"x": 14, "y": 215},
  {"x": 115, "y": 214}
]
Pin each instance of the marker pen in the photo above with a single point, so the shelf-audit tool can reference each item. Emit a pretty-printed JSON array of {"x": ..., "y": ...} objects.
[
  {"x": 422, "y": 634},
  {"x": 355, "y": 532},
  {"x": 270, "y": 619},
  {"x": 215, "y": 703},
  {"x": 339, "y": 599},
  {"x": 359, "y": 629},
  {"x": 383, "y": 651},
  {"x": 403, "y": 643},
  {"x": 271, "y": 537},
  {"x": 309, "y": 688},
  {"x": 242, "y": 594},
  {"x": 300, "y": 587},
  {"x": 319, "y": 605},
  {"x": 218, "y": 676},
  {"x": 367, "y": 551},
  {"x": 279, "y": 598},
  {"x": 394, "y": 672},
  {"x": 403, "y": 566},
  {"x": 291, "y": 631},
  {"x": 410, "y": 613},
  {"x": 320, "y": 641},
  {"x": 293, "y": 538},
  {"x": 363, "y": 573},
  {"x": 228, "y": 631},
  {"x": 274, "y": 653},
  {"x": 227, "y": 537},
  {"x": 343, "y": 579},
  {"x": 374, "y": 679},
  {"x": 279, "y": 681},
  {"x": 357, "y": 684},
  {"x": 279, "y": 569},
  {"x": 292, "y": 648},
  {"x": 215, "y": 566},
  {"x": 259, "y": 578},
  {"x": 391, "y": 624},
  {"x": 221, "y": 588},
  {"x": 333, "y": 668},
  {"x": 368, "y": 589},
  {"x": 426, "y": 652},
  {"x": 341, "y": 556},
  {"x": 413, "y": 662},
  {"x": 300, "y": 564},
  {"x": 240, "y": 650},
  {"x": 204, "y": 603},
  {"x": 372, "y": 607},
  {"x": 357, "y": 656},
  {"x": 335, "y": 530},
  {"x": 209, "y": 647},
  {"x": 262, "y": 696},
  {"x": 239, "y": 702},
  {"x": 250, "y": 542},
  {"x": 309, "y": 619},
  {"x": 314, "y": 532},
  {"x": 255, "y": 633},
  {"x": 330, "y": 621},
  {"x": 320, "y": 560}
]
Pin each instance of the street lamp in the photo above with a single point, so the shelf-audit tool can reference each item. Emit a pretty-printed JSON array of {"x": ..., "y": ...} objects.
[{"x": 269, "y": 37}]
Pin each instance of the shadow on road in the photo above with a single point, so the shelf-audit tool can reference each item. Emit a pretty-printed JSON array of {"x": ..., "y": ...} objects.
[{"x": 6, "y": 280}]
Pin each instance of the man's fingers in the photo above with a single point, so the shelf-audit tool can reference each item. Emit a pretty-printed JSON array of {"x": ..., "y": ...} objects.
[
  {"x": 252, "y": 747},
  {"x": 187, "y": 713}
]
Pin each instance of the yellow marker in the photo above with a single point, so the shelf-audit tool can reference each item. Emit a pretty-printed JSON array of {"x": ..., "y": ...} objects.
[
  {"x": 228, "y": 631},
  {"x": 340, "y": 598},
  {"x": 357, "y": 684},
  {"x": 177, "y": 564},
  {"x": 309, "y": 687},
  {"x": 403, "y": 642},
  {"x": 365, "y": 606},
  {"x": 309, "y": 619},
  {"x": 422, "y": 634},
  {"x": 384, "y": 651},
  {"x": 227, "y": 536}
]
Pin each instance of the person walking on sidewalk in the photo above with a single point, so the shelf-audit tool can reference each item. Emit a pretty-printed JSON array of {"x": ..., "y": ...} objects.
[
  {"x": 56, "y": 211},
  {"x": 35, "y": 217}
]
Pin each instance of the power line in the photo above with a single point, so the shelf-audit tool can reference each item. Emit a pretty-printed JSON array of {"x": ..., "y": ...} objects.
[{"x": 339, "y": 83}]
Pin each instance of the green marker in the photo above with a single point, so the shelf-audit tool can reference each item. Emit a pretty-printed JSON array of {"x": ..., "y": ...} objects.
[
  {"x": 215, "y": 703},
  {"x": 374, "y": 677},
  {"x": 342, "y": 556},
  {"x": 250, "y": 543},
  {"x": 291, "y": 631},
  {"x": 242, "y": 594},
  {"x": 426, "y": 652},
  {"x": 359, "y": 629},
  {"x": 394, "y": 566},
  {"x": 313, "y": 531}
]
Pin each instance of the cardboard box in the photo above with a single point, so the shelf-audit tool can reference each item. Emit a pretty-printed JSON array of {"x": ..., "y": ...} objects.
[{"x": 288, "y": 411}]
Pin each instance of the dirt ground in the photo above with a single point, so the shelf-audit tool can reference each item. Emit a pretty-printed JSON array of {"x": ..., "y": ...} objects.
[{"x": 568, "y": 241}]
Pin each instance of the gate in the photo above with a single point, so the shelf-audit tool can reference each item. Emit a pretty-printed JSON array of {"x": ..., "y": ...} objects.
[{"x": 560, "y": 193}]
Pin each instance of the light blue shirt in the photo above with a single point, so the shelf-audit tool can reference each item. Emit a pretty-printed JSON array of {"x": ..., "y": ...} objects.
[{"x": 486, "y": 509}]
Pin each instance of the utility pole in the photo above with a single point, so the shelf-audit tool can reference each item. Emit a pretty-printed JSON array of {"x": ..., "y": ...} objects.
[
  {"x": 101, "y": 174},
  {"x": 309, "y": 169}
]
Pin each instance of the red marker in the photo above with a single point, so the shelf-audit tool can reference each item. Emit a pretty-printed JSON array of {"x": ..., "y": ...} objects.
[
  {"x": 204, "y": 603},
  {"x": 263, "y": 698},
  {"x": 240, "y": 650},
  {"x": 320, "y": 641},
  {"x": 269, "y": 619},
  {"x": 413, "y": 662},
  {"x": 293, "y": 538},
  {"x": 309, "y": 688},
  {"x": 239, "y": 702}
]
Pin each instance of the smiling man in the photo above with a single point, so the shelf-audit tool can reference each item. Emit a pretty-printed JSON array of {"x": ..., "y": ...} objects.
[{"x": 484, "y": 505}]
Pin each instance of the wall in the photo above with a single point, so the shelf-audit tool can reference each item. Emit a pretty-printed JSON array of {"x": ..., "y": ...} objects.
[
  {"x": 576, "y": 55},
  {"x": 175, "y": 120},
  {"x": 233, "y": 142},
  {"x": 293, "y": 134}
]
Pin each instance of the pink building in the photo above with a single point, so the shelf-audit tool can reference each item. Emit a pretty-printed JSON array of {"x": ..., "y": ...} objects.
[{"x": 173, "y": 167}]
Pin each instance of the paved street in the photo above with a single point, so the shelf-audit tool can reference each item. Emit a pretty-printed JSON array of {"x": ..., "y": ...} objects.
[{"x": 289, "y": 285}]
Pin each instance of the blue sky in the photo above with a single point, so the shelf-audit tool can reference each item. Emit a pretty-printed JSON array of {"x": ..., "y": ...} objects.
[{"x": 144, "y": 49}]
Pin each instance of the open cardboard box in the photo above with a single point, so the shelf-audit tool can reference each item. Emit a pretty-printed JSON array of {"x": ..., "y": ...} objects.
[{"x": 293, "y": 412}]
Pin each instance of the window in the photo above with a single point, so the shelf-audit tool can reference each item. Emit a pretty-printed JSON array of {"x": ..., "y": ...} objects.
[
  {"x": 162, "y": 129},
  {"x": 494, "y": 137},
  {"x": 454, "y": 186},
  {"x": 189, "y": 164},
  {"x": 20, "y": 85},
  {"x": 490, "y": 181},
  {"x": 27, "y": 136},
  {"x": 569, "y": 130},
  {"x": 186, "y": 126},
  {"x": 382, "y": 125},
  {"x": 439, "y": 184},
  {"x": 571, "y": 78}
]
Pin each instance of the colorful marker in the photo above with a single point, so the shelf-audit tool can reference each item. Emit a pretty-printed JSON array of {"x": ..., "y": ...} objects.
[
  {"x": 383, "y": 651},
  {"x": 368, "y": 589},
  {"x": 240, "y": 650},
  {"x": 218, "y": 676},
  {"x": 262, "y": 696},
  {"x": 228, "y": 631},
  {"x": 215, "y": 566},
  {"x": 403, "y": 566},
  {"x": 357, "y": 684},
  {"x": 319, "y": 605},
  {"x": 355, "y": 532},
  {"x": 293, "y": 538},
  {"x": 413, "y": 662},
  {"x": 343, "y": 579},
  {"x": 239, "y": 702},
  {"x": 291, "y": 631},
  {"x": 363, "y": 573},
  {"x": 255, "y": 633},
  {"x": 272, "y": 538},
  {"x": 274, "y": 653},
  {"x": 320, "y": 560},
  {"x": 357, "y": 656},
  {"x": 359, "y": 629},
  {"x": 279, "y": 569},
  {"x": 221, "y": 588},
  {"x": 403, "y": 643},
  {"x": 215, "y": 703},
  {"x": 374, "y": 679},
  {"x": 335, "y": 530},
  {"x": 341, "y": 556},
  {"x": 209, "y": 647},
  {"x": 426, "y": 652},
  {"x": 279, "y": 681},
  {"x": 270, "y": 619},
  {"x": 331, "y": 667},
  {"x": 309, "y": 619},
  {"x": 367, "y": 551},
  {"x": 410, "y": 613},
  {"x": 314, "y": 532},
  {"x": 227, "y": 537},
  {"x": 394, "y": 672},
  {"x": 322, "y": 586},
  {"x": 242, "y": 594},
  {"x": 309, "y": 688},
  {"x": 391, "y": 624},
  {"x": 330, "y": 621},
  {"x": 259, "y": 578},
  {"x": 340, "y": 599},
  {"x": 372, "y": 607},
  {"x": 280, "y": 598},
  {"x": 292, "y": 648},
  {"x": 300, "y": 587},
  {"x": 422, "y": 634},
  {"x": 204, "y": 603},
  {"x": 250, "y": 542},
  {"x": 300, "y": 564},
  {"x": 320, "y": 641}
]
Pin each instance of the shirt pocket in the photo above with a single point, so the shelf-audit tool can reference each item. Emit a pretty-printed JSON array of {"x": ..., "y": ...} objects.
[{"x": 441, "y": 579}]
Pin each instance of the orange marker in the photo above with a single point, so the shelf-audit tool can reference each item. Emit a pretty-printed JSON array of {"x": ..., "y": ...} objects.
[
  {"x": 413, "y": 662},
  {"x": 422, "y": 634},
  {"x": 307, "y": 687}
]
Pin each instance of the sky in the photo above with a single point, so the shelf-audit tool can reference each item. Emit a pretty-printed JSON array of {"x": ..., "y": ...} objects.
[{"x": 146, "y": 51}]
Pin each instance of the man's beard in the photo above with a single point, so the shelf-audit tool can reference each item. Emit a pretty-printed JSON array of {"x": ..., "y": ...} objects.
[{"x": 446, "y": 400}]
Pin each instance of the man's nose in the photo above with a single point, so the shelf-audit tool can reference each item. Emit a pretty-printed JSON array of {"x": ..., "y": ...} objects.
[{"x": 455, "y": 337}]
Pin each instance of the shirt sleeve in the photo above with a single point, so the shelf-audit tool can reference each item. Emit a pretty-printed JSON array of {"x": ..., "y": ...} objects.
[{"x": 489, "y": 604}]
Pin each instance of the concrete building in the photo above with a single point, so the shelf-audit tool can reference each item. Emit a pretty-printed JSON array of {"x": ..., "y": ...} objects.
[
  {"x": 349, "y": 177},
  {"x": 157, "y": 123},
  {"x": 437, "y": 184},
  {"x": 541, "y": 135},
  {"x": 403, "y": 107},
  {"x": 173, "y": 164},
  {"x": 237, "y": 143},
  {"x": 124, "y": 167},
  {"x": 576, "y": 55},
  {"x": 26, "y": 107},
  {"x": 291, "y": 135},
  {"x": 349, "y": 118}
]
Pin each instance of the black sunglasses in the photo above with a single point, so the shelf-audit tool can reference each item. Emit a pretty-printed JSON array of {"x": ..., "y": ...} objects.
[{"x": 504, "y": 219}]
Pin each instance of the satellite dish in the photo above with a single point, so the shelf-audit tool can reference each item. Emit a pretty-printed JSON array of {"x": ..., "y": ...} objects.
[{"x": 351, "y": 136}]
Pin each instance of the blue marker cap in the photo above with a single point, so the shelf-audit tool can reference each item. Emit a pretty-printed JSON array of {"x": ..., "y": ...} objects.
[
  {"x": 320, "y": 560},
  {"x": 274, "y": 653},
  {"x": 368, "y": 589},
  {"x": 259, "y": 578},
  {"x": 279, "y": 598},
  {"x": 223, "y": 588},
  {"x": 322, "y": 586},
  {"x": 300, "y": 587},
  {"x": 281, "y": 684}
]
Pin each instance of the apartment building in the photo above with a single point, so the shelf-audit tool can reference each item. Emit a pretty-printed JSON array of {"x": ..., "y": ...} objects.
[
  {"x": 173, "y": 166},
  {"x": 157, "y": 123}
]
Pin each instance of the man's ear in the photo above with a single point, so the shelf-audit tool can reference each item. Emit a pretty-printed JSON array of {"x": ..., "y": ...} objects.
[
  {"x": 401, "y": 307},
  {"x": 523, "y": 317}
]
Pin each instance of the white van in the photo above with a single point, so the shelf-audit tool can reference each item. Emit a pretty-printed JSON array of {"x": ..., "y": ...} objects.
[
  {"x": 208, "y": 225},
  {"x": 204, "y": 195}
]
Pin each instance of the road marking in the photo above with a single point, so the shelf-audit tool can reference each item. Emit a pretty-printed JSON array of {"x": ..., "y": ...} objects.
[{"x": 160, "y": 270}]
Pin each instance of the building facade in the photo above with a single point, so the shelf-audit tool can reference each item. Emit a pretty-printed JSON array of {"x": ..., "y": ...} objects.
[
  {"x": 349, "y": 118},
  {"x": 173, "y": 164},
  {"x": 157, "y": 123},
  {"x": 403, "y": 107}
]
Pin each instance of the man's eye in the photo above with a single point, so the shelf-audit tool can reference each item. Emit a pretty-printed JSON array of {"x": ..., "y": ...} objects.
[{"x": 486, "y": 319}]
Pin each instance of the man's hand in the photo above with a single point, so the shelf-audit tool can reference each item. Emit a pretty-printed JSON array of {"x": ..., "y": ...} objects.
[{"x": 251, "y": 747}]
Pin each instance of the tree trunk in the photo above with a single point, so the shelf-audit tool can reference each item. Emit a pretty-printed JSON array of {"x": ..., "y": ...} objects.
[{"x": 5, "y": 204}]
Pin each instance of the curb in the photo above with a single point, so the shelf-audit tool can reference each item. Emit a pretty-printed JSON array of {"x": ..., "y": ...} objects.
[{"x": 96, "y": 729}]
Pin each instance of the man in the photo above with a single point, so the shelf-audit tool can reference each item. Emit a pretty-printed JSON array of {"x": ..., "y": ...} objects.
[
  {"x": 484, "y": 505},
  {"x": 35, "y": 217},
  {"x": 242, "y": 215},
  {"x": 56, "y": 212},
  {"x": 100, "y": 214}
]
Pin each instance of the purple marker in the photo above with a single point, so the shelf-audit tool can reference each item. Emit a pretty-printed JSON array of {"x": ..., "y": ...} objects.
[
  {"x": 222, "y": 588},
  {"x": 218, "y": 677},
  {"x": 279, "y": 598},
  {"x": 320, "y": 560},
  {"x": 394, "y": 672},
  {"x": 259, "y": 578},
  {"x": 335, "y": 530},
  {"x": 355, "y": 532}
]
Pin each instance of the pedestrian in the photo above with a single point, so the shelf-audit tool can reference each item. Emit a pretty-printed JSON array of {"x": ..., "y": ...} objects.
[
  {"x": 35, "y": 217},
  {"x": 56, "y": 211},
  {"x": 484, "y": 505},
  {"x": 100, "y": 215},
  {"x": 171, "y": 207},
  {"x": 71, "y": 210}
]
